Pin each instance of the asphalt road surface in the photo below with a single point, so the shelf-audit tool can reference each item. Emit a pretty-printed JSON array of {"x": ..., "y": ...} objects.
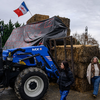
[{"x": 52, "y": 94}]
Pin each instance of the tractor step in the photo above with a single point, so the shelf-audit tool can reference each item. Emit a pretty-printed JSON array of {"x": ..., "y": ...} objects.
[{"x": 1, "y": 86}]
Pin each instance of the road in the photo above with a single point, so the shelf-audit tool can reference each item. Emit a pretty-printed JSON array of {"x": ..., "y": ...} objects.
[{"x": 52, "y": 94}]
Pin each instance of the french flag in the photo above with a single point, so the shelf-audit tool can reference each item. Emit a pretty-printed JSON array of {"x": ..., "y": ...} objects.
[{"x": 22, "y": 9}]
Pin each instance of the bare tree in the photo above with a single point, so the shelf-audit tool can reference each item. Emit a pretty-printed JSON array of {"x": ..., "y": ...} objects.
[{"x": 85, "y": 39}]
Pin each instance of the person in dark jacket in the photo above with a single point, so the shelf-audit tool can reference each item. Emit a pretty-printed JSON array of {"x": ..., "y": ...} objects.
[{"x": 65, "y": 80}]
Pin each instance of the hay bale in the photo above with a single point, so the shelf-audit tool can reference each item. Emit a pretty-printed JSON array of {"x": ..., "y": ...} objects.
[
  {"x": 82, "y": 58},
  {"x": 36, "y": 18},
  {"x": 82, "y": 85},
  {"x": 81, "y": 53},
  {"x": 39, "y": 17},
  {"x": 75, "y": 68},
  {"x": 66, "y": 21},
  {"x": 81, "y": 70}
]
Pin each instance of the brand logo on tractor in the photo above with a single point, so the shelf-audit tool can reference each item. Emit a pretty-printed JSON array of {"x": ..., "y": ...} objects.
[{"x": 36, "y": 49}]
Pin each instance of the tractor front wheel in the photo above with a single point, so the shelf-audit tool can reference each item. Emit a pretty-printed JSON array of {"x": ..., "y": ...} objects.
[{"x": 31, "y": 84}]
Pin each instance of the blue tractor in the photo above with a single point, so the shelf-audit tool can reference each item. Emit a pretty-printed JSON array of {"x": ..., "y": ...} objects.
[{"x": 27, "y": 70}]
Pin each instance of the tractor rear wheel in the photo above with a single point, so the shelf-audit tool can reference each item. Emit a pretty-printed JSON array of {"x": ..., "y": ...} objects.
[{"x": 31, "y": 84}]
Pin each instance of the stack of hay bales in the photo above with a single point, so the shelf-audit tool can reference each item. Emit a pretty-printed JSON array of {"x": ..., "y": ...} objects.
[
  {"x": 36, "y": 18},
  {"x": 82, "y": 58},
  {"x": 39, "y": 17}
]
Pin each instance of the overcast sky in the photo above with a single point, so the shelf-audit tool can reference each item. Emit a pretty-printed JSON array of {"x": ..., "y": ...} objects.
[{"x": 81, "y": 13}]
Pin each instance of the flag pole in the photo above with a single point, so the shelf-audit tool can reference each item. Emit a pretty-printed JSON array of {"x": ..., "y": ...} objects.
[
  {"x": 28, "y": 9},
  {"x": 30, "y": 12}
]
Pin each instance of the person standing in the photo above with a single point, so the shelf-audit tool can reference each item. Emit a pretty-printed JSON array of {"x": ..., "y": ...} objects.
[
  {"x": 93, "y": 75},
  {"x": 65, "y": 80}
]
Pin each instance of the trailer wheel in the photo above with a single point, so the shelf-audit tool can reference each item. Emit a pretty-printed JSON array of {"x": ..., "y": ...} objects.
[{"x": 31, "y": 84}]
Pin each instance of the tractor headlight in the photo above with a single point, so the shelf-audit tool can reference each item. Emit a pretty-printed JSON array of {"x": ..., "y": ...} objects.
[
  {"x": 9, "y": 58},
  {"x": 22, "y": 63}
]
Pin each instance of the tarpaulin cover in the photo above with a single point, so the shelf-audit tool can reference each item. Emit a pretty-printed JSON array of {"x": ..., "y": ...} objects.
[{"x": 35, "y": 33}]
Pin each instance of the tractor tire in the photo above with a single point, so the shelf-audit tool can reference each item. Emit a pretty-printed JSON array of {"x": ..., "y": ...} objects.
[{"x": 31, "y": 84}]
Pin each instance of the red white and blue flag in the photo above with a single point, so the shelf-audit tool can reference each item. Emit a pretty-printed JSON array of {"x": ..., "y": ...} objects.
[{"x": 22, "y": 9}]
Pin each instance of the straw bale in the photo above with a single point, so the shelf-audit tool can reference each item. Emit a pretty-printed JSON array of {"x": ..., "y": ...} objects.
[
  {"x": 82, "y": 85},
  {"x": 81, "y": 70},
  {"x": 36, "y": 18},
  {"x": 75, "y": 68},
  {"x": 82, "y": 57},
  {"x": 66, "y": 21},
  {"x": 61, "y": 42},
  {"x": 68, "y": 32},
  {"x": 39, "y": 17},
  {"x": 81, "y": 53}
]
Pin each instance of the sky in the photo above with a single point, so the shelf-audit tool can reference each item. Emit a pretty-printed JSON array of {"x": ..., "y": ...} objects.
[{"x": 81, "y": 13}]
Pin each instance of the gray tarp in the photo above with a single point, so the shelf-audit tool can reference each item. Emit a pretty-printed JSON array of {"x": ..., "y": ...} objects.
[{"x": 35, "y": 33}]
